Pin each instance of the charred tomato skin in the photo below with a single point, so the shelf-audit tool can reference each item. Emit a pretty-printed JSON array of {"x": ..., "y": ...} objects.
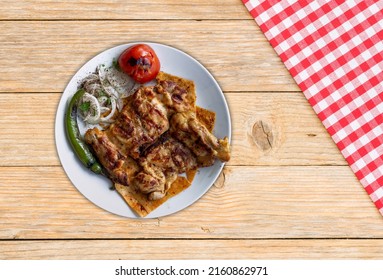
[{"x": 140, "y": 62}]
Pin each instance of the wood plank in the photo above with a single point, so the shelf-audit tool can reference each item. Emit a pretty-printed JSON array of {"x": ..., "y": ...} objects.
[
  {"x": 120, "y": 9},
  {"x": 245, "y": 202},
  {"x": 28, "y": 123},
  {"x": 296, "y": 135},
  {"x": 278, "y": 128},
  {"x": 186, "y": 249},
  {"x": 41, "y": 56}
]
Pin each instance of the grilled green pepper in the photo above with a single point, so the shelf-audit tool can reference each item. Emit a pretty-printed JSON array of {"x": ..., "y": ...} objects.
[{"x": 79, "y": 146}]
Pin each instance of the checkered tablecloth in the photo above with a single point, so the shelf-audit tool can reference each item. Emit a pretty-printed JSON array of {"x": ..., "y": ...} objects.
[{"x": 334, "y": 51}]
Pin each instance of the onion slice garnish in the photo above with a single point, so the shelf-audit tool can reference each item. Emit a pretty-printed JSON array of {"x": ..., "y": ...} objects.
[
  {"x": 105, "y": 90},
  {"x": 108, "y": 117},
  {"x": 108, "y": 88},
  {"x": 91, "y": 112}
]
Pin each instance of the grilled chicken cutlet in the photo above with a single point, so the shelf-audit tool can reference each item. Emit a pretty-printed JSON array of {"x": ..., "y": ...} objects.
[
  {"x": 177, "y": 94},
  {"x": 141, "y": 121},
  {"x": 161, "y": 165},
  {"x": 155, "y": 137},
  {"x": 186, "y": 128},
  {"x": 120, "y": 167}
]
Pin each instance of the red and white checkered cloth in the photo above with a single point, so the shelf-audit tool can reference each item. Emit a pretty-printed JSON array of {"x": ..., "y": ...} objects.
[{"x": 334, "y": 51}]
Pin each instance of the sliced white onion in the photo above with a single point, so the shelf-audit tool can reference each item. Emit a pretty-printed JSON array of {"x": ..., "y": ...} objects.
[
  {"x": 108, "y": 88},
  {"x": 131, "y": 91},
  {"x": 110, "y": 91},
  {"x": 120, "y": 104},
  {"x": 111, "y": 113},
  {"x": 94, "y": 113},
  {"x": 121, "y": 82},
  {"x": 90, "y": 79},
  {"x": 93, "y": 89},
  {"x": 110, "y": 82},
  {"x": 102, "y": 100},
  {"x": 104, "y": 109}
]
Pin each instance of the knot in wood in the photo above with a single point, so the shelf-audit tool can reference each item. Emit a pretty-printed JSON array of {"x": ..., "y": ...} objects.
[
  {"x": 262, "y": 135},
  {"x": 220, "y": 182}
]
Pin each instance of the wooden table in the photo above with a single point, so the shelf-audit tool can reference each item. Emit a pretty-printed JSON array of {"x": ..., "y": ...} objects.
[{"x": 287, "y": 193}]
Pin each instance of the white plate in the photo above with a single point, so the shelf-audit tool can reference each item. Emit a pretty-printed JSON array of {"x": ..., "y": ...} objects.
[{"x": 96, "y": 187}]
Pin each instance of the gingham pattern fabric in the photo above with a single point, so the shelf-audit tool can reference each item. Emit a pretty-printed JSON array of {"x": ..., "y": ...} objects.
[{"x": 334, "y": 51}]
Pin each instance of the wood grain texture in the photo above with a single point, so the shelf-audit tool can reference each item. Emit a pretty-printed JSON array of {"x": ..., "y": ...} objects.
[
  {"x": 246, "y": 202},
  {"x": 120, "y": 9},
  {"x": 287, "y": 192},
  {"x": 40, "y": 56},
  {"x": 298, "y": 137},
  {"x": 192, "y": 249}
]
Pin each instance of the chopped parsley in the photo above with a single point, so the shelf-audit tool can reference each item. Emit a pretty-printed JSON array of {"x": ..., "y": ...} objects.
[{"x": 85, "y": 106}]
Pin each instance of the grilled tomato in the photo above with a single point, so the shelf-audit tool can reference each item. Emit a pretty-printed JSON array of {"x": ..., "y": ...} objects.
[{"x": 140, "y": 62}]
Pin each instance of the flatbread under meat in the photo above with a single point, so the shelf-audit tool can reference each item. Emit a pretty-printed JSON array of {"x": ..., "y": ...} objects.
[{"x": 140, "y": 203}]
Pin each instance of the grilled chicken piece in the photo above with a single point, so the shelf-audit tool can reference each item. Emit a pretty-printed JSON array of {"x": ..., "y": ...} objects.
[
  {"x": 187, "y": 129},
  {"x": 177, "y": 94},
  {"x": 154, "y": 181},
  {"x": 136, "y": 149},
  {"x": 161, "y": 164},
  {"x": 171, "y": 155},
  {"x": 141, "y": 121},
  {"x": 149, "y": 177},
  {"x": 120, "y": 167}
]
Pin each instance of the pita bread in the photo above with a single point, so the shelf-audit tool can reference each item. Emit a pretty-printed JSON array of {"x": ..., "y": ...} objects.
[
  {"x": 139, "y": 202},
  {"x": 206, "y": 117}
]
